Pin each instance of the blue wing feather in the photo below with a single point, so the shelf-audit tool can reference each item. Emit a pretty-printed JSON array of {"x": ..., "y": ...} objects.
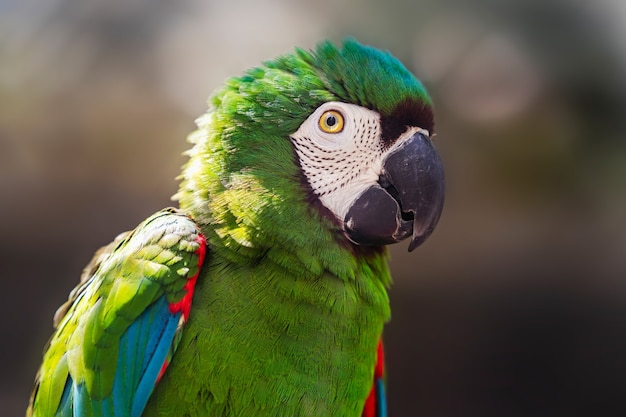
[
  {"x": 381, "y": 398},
  {"x": 161, "y": 329},
  {"x": 143, "y": 350},
  {"x": 80, "y": 397}
]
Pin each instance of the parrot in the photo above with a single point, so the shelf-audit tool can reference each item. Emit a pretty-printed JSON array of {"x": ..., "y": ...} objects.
[{"x": 265, "y": 291}]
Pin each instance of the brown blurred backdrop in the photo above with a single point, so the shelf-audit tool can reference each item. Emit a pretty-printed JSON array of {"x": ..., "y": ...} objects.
[{"x": 516, "y": 306}]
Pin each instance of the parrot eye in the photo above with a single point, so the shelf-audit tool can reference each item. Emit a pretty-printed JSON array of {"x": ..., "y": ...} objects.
[{"x": 331, "y": 121}]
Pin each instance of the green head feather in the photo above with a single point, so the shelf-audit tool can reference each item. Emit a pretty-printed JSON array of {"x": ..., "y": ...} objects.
[{"x": 368, "y": 77}]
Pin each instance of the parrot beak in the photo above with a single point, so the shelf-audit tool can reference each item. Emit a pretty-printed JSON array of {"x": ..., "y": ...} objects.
[{"x": 406, "y": 201}]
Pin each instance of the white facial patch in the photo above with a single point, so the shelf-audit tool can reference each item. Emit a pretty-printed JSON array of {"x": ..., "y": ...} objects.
[{"x": 340, "y": 165}]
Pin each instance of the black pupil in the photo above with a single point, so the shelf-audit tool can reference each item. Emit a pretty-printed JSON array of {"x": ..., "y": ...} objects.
[{"x": 331, "y": 121}]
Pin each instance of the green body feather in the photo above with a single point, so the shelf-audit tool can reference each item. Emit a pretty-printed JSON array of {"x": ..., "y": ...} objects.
[{"x": 262, "y": 340}]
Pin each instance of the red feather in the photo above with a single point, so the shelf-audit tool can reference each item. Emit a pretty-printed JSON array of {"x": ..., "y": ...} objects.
[
  {"x": 369, "y": 409},
  {"x": 184, "y": 304}
]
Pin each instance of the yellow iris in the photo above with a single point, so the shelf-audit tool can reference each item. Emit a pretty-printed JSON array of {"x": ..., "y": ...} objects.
[{"x": 331, "y": 121}]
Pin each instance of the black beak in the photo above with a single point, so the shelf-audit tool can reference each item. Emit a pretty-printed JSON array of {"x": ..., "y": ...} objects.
[{"x": 407, "y": 201}]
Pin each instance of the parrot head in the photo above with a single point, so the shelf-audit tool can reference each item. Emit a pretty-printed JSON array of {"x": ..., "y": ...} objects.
[{"x": 351, "y": 124}]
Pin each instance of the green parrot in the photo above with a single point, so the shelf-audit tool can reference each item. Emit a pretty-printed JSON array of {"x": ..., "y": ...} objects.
[{"x": 265, "y": 292}]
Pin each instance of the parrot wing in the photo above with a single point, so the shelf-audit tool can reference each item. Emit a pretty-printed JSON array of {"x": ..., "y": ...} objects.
[
  {"x": 120, "y": 327},
  {"x": 376, "y": 403}
]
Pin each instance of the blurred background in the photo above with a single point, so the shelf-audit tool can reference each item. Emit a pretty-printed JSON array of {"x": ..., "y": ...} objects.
[{"x": 516, "y": 306}]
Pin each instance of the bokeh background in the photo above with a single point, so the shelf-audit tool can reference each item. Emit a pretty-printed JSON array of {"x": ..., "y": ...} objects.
[{"x": 516, "y": 306}]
